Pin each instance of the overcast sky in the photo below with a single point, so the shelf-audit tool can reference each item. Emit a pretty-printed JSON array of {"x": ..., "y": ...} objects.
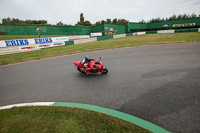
[{"x": 68, "y": 11}]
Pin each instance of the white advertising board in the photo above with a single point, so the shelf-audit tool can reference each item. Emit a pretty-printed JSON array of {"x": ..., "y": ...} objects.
[
  {"x": 48, "y": 45},
  {"x": 140, "y": 33},
  {"x": 40, "y": 46},
  {"x": 28, "y": 47},
  {"x": 78, "y": 37},
  {"x": 165, "y": 31},
  {"x": 22, "y": 42},
  {"x": 96, "y": 34}
]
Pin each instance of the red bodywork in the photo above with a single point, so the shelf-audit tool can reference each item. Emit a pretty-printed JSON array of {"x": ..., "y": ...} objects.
[{"x": 95, "y": 66}]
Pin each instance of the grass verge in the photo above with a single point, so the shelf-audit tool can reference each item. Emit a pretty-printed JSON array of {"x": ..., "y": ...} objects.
[
  {"x": 131, "y": 41},
  {"x": 62, "y": 119}
]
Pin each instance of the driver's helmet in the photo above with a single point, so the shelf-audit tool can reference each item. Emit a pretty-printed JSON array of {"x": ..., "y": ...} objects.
[{"x": 87, "y": 58}]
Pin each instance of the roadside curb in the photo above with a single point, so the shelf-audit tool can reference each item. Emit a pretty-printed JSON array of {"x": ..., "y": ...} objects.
[{"x": 132, "y": 119}]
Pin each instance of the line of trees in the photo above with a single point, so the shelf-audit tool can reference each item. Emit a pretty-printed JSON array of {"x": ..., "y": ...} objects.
[
  {"x": 173, "y": 17},
  {"x": 82, "y": 22},
  {"x": 107, "y": 21},
  {"x": 13, "y": 21},
  {"x": 114, "y": 21}
]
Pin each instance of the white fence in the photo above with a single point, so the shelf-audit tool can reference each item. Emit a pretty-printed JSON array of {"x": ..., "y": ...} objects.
[
  {"x": 165, "y": 31},
  {"x": 96, "y": 34},
  {"x": 141, "y": 33},
  {"x": 119, "y": 36},
  {"x": 8, "y": 50},
  {"x": 78, "y": 37},
  {"x": 11, "y": 50},
  {"x": 85, "y": 40}
]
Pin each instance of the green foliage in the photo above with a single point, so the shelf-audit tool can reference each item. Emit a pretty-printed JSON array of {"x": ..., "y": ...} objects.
[
  {"x": 173, "y": 17},
  {"x": 108, "y": 21},
  {"x": 60, "y": 24},
  {"x": 87, "y": 23},
  {"x": 103, "y": 21},
  {"x": 114, "y": 21},
  {"x": 13, "y": 21},
  {"x": 81, "y": 18},
  {"x": 82, "y": 22},
  {"x": 97, "y": 23}
]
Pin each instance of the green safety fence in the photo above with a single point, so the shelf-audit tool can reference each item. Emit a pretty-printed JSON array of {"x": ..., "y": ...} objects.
[
  {"x": 186, "y": 30},
  {"x": 129, "y": 34},
  {"x": 104, "y": 37},
  {"x": 151, "y": 32},
  {"x": 69, "y": 42},
  {"x": 171, "y": 24}
]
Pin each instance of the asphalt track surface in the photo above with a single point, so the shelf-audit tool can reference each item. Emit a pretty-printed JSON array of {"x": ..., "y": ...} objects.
[{"x": 160, "y": 84}]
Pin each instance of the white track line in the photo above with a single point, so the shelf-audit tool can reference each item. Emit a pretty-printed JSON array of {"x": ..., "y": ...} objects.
[{"x": 27, "y": 104}]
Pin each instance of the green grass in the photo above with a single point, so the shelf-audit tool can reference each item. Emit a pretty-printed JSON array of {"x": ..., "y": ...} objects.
[
  {"x": 41, "y": 119},
  {"x": 131, "y": 41}
]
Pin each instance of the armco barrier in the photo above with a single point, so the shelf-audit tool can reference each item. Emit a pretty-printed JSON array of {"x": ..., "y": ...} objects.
[
  {"x": 119, "y": 35},
  {"x": 85, "y": 40},
  {"x": 104, "y": 37},
  {"x": 165, "y": 31}
]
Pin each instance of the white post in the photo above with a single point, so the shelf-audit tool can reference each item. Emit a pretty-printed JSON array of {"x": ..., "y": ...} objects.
[{"x": 38, "y": 32}]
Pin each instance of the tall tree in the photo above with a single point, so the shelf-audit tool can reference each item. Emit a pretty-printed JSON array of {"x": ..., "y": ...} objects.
[{"x": 81, "y": 18}]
